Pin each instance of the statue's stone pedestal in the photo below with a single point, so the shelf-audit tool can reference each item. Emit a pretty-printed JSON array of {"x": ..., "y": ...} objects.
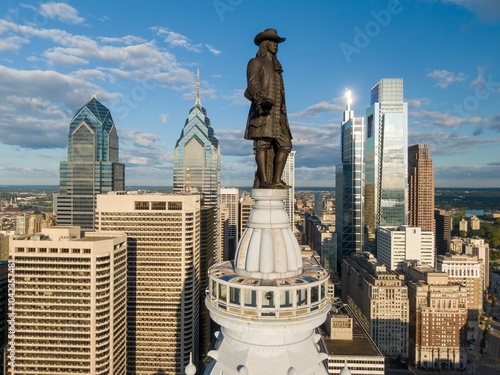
[
  {"x": 267, "y": 301},
  {"x": 268, "y": 249}
]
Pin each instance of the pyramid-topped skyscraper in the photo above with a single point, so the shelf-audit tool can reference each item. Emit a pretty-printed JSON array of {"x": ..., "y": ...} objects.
[
  {"x": 197, "y": 163},
  {"x": 197, "y": 156},
  {"x": 92, "y": 166}
]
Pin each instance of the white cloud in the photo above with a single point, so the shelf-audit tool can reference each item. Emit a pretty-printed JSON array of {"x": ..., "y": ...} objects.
[
  {"x": 446, "y": 143},
  {"x": 59, "y": 57},
  {"x": 163, "y": 118},
  {"x": 62, "y": 12},
  {"x": 445, "y": 78},
  {"x": 175, "y": 39},
  {"x": 212, "y": 49},
  {"x": 141, "y": 139},
  {"x": 237, "y": 97},
  {"x": 137, "y": 160},
  {"x": 445, "y": 119},
  {"x": 127, "y": 40},
  {"x": 13, "y": 43},
  {"x": 316, "y": 109},
  {"x": 418, "y": 102},
  {"x": 486, "y": 10}
]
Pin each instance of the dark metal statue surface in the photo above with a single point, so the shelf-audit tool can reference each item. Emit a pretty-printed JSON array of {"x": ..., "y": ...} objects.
[{"x": 267, "y": 123}]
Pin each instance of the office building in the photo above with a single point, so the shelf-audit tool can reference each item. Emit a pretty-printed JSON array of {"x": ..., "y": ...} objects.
[
  {"x": 348, "y": 344},
  {"x": 378, "y": 298},
  {"x": 311, "y": 224},
  {"x": 4, "y": 246},
  {"x": 420, "y": 188},
  {"x": 349, "y": 187},
  {"x": 466, "y": 270},
  {"x": 444, "y": 224},
  {"x": 197, "y": 162},
  {"x": 395, "y": 245},
  {"x": 475, "y": 223},
  {"x": 163, "y": 311},
  {"x": 438, "y": 318},
  {"x": 229, "y": 199},
  {"x": 318, "y": 205},
  {"x": 22, "y": 224},
  {"x": 462, "y": 225},
  {"x": 70, "y": 302},
  {"x": 246, "y": 204},
  {"x": 477, "y": 246},
  {"x": 289, "y": 178},
  {"x": 4, "y": 305},
  {"x": 328, "y": 250},
  {"x": 207, "y": 259},
  {"x": 386, "y": 158},
  {"x": 92, "y": 166}
]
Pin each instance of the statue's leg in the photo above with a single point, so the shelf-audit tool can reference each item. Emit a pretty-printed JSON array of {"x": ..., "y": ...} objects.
[
  {"x": 279, "y": 165},
  {"x": 261, "y": 159}
]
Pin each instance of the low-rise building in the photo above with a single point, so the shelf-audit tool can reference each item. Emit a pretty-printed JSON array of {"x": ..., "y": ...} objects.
[
  {"x": 397, "y": 244},
  {"x": 348, "y": 344}
]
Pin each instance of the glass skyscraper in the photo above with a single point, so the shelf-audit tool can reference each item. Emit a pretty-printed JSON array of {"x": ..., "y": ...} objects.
[
  {"x": 386, "y": 158},
  {"x": 349, "y": 185},
  {"x": 92, "y": 166},
  {"x": 197, "y": 161}
]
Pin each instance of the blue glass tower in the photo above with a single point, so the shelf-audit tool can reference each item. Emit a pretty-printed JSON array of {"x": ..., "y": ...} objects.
[
  {"x": 349, "y": 185},
  {"x": 197, "y": 167},
  {"x": 92, "y": 166},
  {"x": 197, "y": 156},
  {"x": 386, "y": 158}
]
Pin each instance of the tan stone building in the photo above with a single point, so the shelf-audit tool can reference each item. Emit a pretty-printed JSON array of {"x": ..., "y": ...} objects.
[
  {"x": 477, "y": 246},
  {"x": 462, "y": 225},
  {"x": 475, "y": 223},
  {"x": 163, "y": 276},
  {"x": 378, "y": 298},
  {"x": 438, "y": 318},
  {"x": 466, "y": 270},
  {"x": 70, "y": 302}
]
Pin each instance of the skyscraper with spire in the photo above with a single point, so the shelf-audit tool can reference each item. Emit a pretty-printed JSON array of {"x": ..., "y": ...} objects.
[
  {"x": 349, "y": 185},
  {"x": 197, "y": 160},
  {"x": 197, "y": 156},
  {"x": 92, "y": 166},
  {"x": 386, "y": 158}
]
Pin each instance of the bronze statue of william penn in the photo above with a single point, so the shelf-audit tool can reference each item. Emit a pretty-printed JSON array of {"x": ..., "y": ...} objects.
[{"x": 267, "y": 121}]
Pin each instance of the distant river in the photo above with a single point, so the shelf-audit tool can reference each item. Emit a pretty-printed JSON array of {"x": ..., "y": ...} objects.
[{"x": 469, "y": 213}]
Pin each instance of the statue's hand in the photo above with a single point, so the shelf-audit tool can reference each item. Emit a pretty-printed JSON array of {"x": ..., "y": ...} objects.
[{"x": 267, "y": 104}]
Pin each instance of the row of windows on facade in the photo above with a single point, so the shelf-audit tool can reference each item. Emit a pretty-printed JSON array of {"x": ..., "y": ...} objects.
[{"x": 145, "y": 205}]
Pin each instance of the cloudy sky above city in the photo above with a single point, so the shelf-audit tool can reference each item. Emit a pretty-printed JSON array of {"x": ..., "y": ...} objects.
[{"x": 141, "y": 58}]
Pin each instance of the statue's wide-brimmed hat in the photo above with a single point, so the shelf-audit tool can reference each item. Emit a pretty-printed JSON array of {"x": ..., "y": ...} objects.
[{"x": 268, "y": 34}]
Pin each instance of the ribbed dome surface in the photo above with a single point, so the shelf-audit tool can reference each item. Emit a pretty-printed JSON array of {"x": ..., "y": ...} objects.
[{"x": 268, "y": 248}]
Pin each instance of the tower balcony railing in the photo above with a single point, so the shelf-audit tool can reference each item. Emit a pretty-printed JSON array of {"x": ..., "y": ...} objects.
[{"x": 285, "y": 299}]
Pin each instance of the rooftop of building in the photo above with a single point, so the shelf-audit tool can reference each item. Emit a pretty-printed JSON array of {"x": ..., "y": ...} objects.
[
  {"x": 360, "y": 345},
  {"x": 69, "y": 233}
]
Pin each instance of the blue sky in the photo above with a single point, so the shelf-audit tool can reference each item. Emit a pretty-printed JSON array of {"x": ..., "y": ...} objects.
[{"x": 140, "y": 58}]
